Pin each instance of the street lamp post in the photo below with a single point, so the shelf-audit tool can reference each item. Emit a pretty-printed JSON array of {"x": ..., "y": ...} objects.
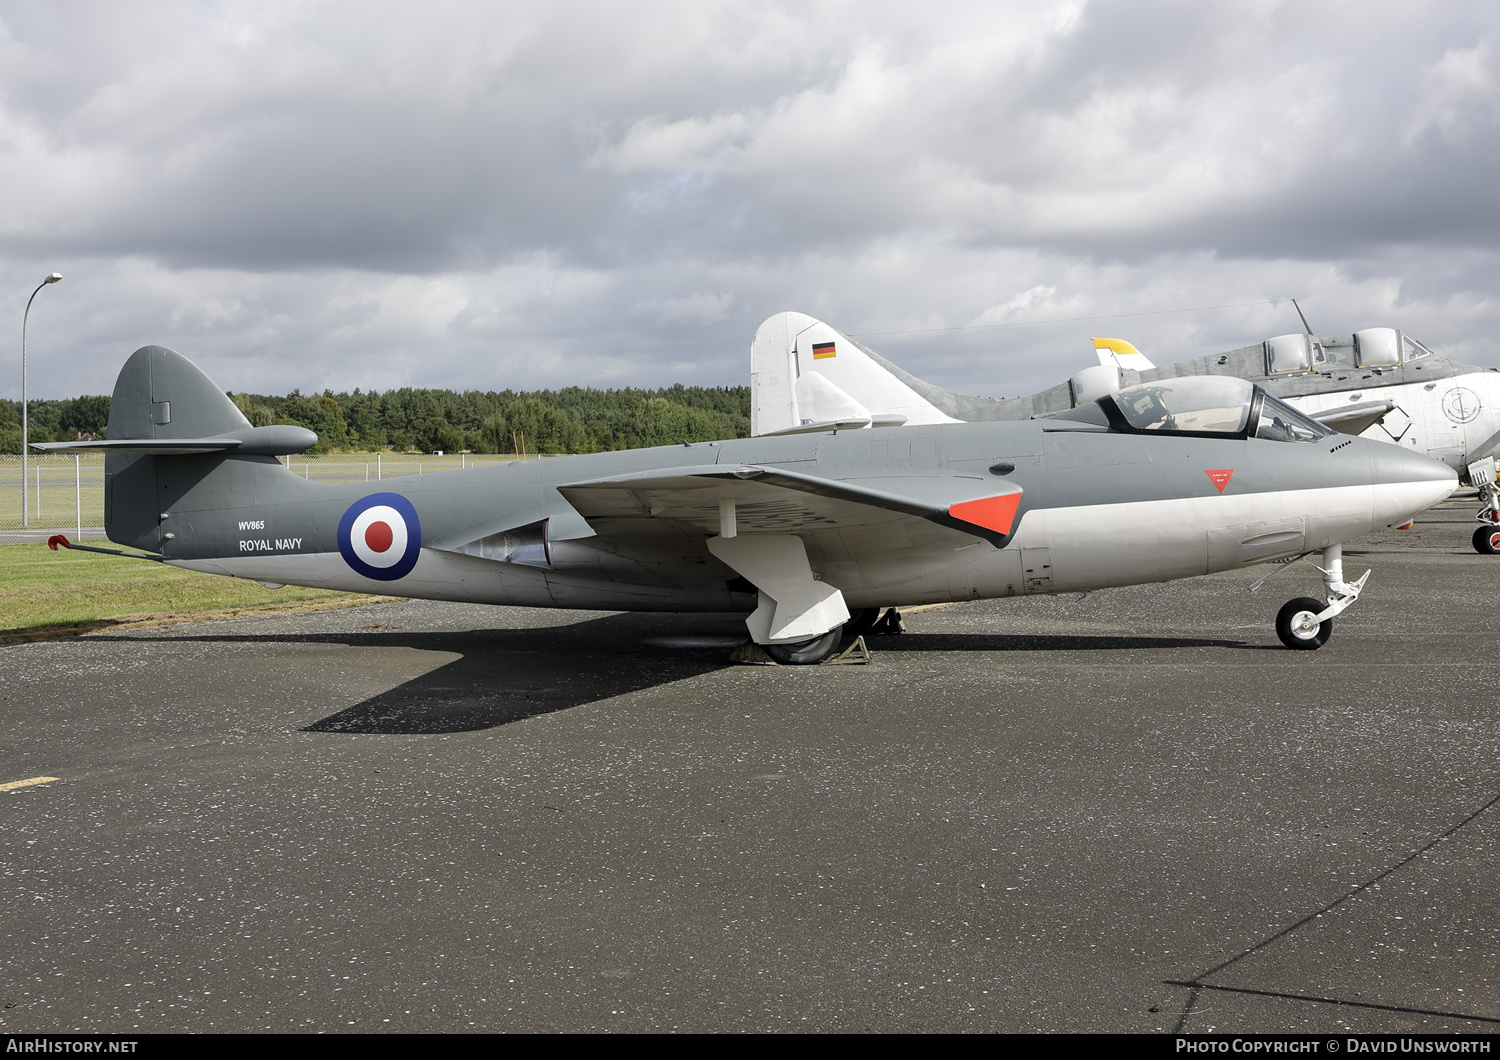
[{"x": 25, "y": 438}]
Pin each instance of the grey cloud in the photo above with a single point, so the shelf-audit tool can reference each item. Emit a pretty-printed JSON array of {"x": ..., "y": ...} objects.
[{"x": 538, "y": 194}]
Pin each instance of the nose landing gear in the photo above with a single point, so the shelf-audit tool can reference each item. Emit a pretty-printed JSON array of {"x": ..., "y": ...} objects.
[
  {"x": 1487, "y": 534},
  {"x": 1304, "y": 624}
]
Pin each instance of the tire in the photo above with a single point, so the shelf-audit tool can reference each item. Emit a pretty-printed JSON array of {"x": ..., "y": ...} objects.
[
  {"x": 1296, "y": 639},
  {"x": 807, "y": 652},
  {"x": 1487, "y": 540},
  {"x": 862, "y": 621}
]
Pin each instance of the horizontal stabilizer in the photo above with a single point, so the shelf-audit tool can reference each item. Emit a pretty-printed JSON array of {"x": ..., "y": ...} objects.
[
  {"x": 277, "y": 440},
  {"x": 819, "y": 428},
  {"x": 154, "y": 446}
]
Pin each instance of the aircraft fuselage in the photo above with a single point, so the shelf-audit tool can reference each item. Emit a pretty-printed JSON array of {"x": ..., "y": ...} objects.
[{"x": 1097, "y": 509}]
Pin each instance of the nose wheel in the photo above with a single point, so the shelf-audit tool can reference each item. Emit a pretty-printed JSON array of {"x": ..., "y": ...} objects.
[
  {"x": 1298, "y": 626},
  {"x": 1487, "y": 540}
]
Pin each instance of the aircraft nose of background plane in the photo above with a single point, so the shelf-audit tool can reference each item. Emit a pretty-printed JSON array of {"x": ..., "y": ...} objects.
[{"x": 1406, "y": 483}]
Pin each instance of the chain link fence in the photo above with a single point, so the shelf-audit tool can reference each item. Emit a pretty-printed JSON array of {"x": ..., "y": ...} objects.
[{"x": 66, "y": 492}]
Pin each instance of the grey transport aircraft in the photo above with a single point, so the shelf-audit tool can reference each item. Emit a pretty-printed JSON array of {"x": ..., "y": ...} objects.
[
  {"x": 1379, "y": 383},
  {"x": 807, "y": 532}
]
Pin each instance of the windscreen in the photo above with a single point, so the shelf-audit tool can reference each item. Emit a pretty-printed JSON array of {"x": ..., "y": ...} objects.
[
  {"x": 1279, "y": 422},
  {"x": 1198, "y": 404},
  {"x": 1412, "y": 350}
]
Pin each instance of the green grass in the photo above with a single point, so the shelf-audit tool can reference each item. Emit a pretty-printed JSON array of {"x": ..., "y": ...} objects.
[{"x": 40, "y": 588}]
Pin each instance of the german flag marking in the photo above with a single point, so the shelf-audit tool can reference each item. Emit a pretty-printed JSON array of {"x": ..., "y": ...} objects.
[
  {"x": 1220, "y": 476},
  {"x": 824, "y": 349},
  {"x": 992, "y": 513}
]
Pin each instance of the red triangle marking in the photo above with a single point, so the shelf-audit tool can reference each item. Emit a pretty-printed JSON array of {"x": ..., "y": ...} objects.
[
  {"x": 1221, "y": 476},
  {"x": 992, "y": 513}
]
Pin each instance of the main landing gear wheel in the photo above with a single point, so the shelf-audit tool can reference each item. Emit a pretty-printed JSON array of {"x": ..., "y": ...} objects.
[
  {"x": 807, "y": 652},
  {"x": 1487, "y": 540},
  {"x": 1296, "y": 627}
]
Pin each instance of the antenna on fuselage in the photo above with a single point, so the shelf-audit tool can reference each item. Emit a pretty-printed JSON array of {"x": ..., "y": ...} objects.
[{"x": 1305, "y": 326}]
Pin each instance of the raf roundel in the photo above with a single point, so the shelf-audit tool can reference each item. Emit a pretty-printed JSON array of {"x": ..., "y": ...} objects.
[{"x": 380, "y": 537}]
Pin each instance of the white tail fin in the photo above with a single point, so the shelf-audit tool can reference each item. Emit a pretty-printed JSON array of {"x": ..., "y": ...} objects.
[
  {"x": 808, "y": 376},
  {"x": 1121, "y": 354}
]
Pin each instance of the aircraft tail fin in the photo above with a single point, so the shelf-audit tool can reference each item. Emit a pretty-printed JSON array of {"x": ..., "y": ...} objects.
[
  {"x": 160, "y": 394},
  {"x": 808, "y": 376},
  {"x": 186, "y": 428},
  {"x": 1121, "y": 354}
]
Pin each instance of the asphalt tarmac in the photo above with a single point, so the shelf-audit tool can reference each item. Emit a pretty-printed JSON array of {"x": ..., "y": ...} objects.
[{"x": 1133, "y": 811}]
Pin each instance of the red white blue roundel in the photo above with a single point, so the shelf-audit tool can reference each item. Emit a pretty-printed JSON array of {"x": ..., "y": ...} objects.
[{"x": 379, "y": 536}]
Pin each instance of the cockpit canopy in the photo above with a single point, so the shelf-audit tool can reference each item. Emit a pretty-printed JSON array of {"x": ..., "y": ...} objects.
[
  {"x": 1209, "y": 406},
  {"x": 1287, "y": 354},
  {"x": 1373, "y": 348},
  {"x": 1383, "y": 347},
  {"x": 1205, "y": 404}
]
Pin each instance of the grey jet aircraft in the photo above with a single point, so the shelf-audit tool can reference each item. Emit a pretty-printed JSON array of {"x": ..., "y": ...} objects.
[
  {"x": 1379, "y": 383},
  {"x": 804, "y": 532}
]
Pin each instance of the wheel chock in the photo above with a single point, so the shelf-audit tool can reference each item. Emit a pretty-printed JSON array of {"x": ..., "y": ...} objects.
[
  {"x": 856, "y": 654},
  {"x": 751, "y": 654},
  {"x": 889, "y": 623}
]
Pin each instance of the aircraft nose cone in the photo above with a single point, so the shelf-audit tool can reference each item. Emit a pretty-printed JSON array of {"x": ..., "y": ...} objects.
[{"x": 1406, "y": 482}]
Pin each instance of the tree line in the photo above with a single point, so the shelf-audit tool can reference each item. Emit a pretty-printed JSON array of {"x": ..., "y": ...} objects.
[{"x": 570, "y": 420}]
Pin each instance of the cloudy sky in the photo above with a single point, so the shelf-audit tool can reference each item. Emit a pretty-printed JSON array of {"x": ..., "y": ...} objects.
[{"x": 489, "y": 195}]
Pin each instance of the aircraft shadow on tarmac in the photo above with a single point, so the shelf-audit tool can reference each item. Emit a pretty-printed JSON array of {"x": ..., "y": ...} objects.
[
  {"x": 1010, "y": 642},
  {"x": 1197, "y": 985},
  {"x": 508, "y": 675},
  {"x": 505, "y": 676}
]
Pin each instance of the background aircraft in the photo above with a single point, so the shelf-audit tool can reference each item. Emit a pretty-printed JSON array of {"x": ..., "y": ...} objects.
[
  {"x": 1378, "y": 383},
  {"x": 1145, "y": 485}
]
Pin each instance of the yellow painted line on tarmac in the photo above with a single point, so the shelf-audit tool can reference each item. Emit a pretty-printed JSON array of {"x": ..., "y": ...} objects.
[
  {"x": 27, "y": 783},
  {"x": 929, "y": 607}
]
